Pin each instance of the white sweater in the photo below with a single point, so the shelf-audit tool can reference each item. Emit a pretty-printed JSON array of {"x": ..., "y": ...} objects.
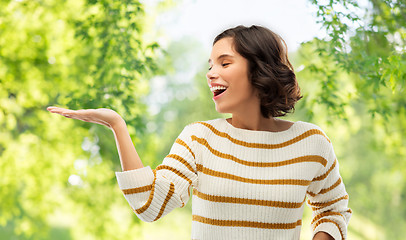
[{"x": 246, "y": 184}]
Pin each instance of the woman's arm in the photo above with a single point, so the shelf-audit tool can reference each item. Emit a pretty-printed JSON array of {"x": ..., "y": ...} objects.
[
  {"x": 328, "y": 199},
  {"x": 128, "y": 155},
  {"x": 154, "y": 193},
  {"x": 151, "y": 193}
]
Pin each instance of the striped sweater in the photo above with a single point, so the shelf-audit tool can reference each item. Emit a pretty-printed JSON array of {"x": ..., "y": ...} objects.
[{"x": 246, "y": 184}]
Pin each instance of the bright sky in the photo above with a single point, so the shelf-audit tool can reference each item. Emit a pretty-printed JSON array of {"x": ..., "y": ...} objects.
[{"x": 294, "y": 20}]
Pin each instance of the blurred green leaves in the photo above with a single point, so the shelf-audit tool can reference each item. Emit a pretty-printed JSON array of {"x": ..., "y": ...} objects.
[
  {"x": 368, "y": 42},
  {"x": 74, "y": 54}
]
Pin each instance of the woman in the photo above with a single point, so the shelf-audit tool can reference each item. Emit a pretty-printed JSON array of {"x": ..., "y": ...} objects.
[{"x": 251, "y": 173}]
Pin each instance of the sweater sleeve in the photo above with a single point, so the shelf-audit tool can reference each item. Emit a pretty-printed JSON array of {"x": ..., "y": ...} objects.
[
  {"x": 153, "y": 193},
  {"x": 328, "y": 199}
]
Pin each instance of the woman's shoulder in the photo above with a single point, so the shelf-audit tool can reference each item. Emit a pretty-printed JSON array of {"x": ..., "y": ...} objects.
[
  {"x": 199, "y": 125},
  {"x": 205, "y": 125},
  {"x": 308, "y": 128},
  {"x": 308, "y": 125},
  {"x": 206, "y": 122}
]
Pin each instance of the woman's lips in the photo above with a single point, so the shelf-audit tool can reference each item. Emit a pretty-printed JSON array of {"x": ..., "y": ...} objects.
[
  {"x": 218, "y": 90},
  {"x": 218, "y": 96}
]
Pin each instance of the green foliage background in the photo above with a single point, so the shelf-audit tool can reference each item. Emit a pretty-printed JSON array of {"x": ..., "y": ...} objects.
[{"x": 57, "y": 175}]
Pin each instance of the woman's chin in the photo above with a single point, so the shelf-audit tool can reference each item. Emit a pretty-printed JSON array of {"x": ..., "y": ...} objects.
[{"x": 221, "y": 110}]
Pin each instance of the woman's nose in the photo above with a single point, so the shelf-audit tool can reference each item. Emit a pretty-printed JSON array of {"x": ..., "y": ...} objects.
[{"x": 211, "y": 75}]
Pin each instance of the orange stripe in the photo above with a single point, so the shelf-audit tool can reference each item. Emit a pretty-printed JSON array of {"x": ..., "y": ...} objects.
[
  {"x": 331, "y": 188},
  {"x": 325, "y": 214},
  {"x": 308, "y": 158},
  {"x": 311, "y": 193},
  {"x": 168, "y": 197},
  {"x": 179, "y": 141},
  {"x": 137, "y": 190},
  {"x": 318, "y": 205},
  {"x": 330, "y": 221},
  {"x": 261, "y": 145},
  {"x": 151, "y": 196},
  {"x": 325, "y": 190},
  {"x": 210, "y": 172},
  {"x": 223, "y": 199},
  {"x": 251, "y": 224},
  {"x": 182, "y": 160},
  {"x": 319, "y": 178},
  {"x": 160, "y": 167}
]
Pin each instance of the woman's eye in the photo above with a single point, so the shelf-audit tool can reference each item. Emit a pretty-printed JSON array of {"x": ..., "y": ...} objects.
[
  {"x": 210, "y": 68},
  {"x": 225, "y": 64}
]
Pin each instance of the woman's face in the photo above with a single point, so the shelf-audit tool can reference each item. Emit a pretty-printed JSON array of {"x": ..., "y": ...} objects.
[{"x": 228, "y": 79}]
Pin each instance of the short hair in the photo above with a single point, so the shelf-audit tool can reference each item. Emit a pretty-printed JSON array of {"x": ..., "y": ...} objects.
[{"x": 270, "y": 71}]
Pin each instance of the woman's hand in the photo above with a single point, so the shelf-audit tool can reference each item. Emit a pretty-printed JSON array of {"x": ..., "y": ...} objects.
[
  {"x": 102, "y": 116},
  {"x": 323, "y": 236},
  {"x": 128, "y": 155}
]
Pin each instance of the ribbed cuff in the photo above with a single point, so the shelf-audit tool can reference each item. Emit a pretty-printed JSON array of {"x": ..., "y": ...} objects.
[
  {"x": 329, "y": 228},
  {"x": 135, "y": 178}
]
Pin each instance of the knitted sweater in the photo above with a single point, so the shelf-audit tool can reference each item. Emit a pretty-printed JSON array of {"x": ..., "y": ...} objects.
[{"x": 246, "y": 184}]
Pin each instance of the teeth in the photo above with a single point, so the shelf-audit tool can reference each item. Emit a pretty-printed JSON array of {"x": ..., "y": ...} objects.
[{"x": 217, "y": 88}]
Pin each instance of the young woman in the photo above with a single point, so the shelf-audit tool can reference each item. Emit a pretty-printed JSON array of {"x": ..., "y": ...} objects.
[{"x": 251, "y": 173}]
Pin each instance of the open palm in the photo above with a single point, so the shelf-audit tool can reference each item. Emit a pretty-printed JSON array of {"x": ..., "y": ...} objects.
[{"x": 102, "y": 116}]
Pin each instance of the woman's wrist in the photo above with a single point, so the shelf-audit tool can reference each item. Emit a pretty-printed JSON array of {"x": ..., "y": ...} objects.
[{"x": 119, "y": 123}]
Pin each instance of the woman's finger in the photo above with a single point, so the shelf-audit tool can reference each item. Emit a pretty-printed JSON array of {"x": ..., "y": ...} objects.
[{"x": 57, "y": 110}]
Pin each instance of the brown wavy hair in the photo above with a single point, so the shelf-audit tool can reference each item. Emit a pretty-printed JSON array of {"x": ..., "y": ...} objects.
[{"x": 270, "y": 71}]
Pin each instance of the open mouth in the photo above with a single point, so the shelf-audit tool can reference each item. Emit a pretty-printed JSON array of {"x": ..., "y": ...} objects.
[{"x": 218, "y": 90}]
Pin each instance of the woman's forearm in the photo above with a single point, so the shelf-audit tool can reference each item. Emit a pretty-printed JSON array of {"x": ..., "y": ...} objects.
[{"x": 128, "y": 155}]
